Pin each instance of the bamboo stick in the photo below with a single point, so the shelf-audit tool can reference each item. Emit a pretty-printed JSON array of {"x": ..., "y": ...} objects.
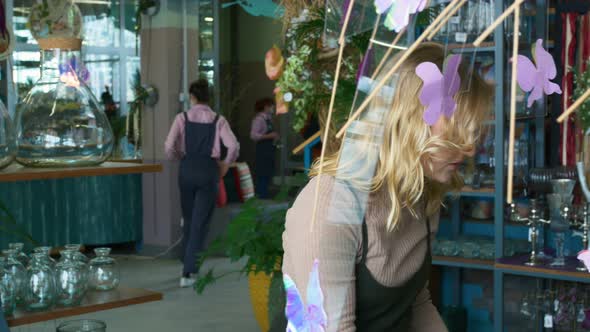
[
  {"x": 497, "y": 22},
  {"x": 574, "y": 106},
  {"x": 515, "y": 37},
  {"x": 393, "y": 69},
  {"x": 342, "y": 42},
  {"x": 442, "y": 23}
]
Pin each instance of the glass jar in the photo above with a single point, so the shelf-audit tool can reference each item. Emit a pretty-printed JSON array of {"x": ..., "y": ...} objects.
[
  {"x": 7, "y": 289},
  {"x": 104, "y": 272},
  {"x": 40, "y": 292},
  {"x": 46, "y": 251},
  {"x": 78, "y": 255},
  {"x": 17, "y": 271},
  {"x": 7, "y": 138},
  {"x": 85, "y": 325},
  {"x": 20, "y": 255},
  {"x": 71, "y": 279},
  {"x": 60, "y": 123},
  {"x": 470, "y": 250}
]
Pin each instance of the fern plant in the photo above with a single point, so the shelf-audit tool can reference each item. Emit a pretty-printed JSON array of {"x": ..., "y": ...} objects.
[{"x": 582, "y": 83}]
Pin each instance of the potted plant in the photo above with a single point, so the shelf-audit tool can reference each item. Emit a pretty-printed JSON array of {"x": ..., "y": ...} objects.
[{"x": 255, "y": 234}]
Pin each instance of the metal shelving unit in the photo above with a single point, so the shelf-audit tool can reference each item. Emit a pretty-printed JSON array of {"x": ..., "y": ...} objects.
[{"x": 502, "y": 266}]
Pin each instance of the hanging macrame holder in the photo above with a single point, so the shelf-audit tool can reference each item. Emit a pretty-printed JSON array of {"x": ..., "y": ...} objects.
[{"x": 71, "y": 44}]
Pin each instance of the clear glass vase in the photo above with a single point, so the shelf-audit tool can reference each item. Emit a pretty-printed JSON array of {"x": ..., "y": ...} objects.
[
  {"x": 40, "y": 291},
  {"x": 104, "y": 272},
  {"x": 72, "y": 277},
  {"x": 20, "y": 255},
  {"x": 18, "y": 273},
  {"x": 60, "y": 123},
  {"x": 86, "y": 325},
  {"x": 7, "y": 289},
  {"x": 78, "y": 255},
  {"x": 46, "y": 251},
  {"x": 7, "y": 138}
]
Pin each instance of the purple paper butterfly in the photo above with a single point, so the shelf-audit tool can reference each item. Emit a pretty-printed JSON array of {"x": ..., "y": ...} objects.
[
  {"x": 584, "y": 256},
  {"x": 399, "y": 13},
  {"x": 439, "y": 89},
  {"x": 302, "y": 318},
  {"x": 537, "y": 79},
  {"x": 75, "y": 68}
]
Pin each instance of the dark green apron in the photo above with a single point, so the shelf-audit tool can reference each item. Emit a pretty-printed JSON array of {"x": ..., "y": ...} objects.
[{"x": 380, "y": 308}]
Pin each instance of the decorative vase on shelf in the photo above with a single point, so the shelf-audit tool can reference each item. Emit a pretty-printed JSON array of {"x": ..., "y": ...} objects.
[
  {"x": 7, "y": 138},
  {"x": 20, "y": 255},
  {"x": 17, "y": 271},
  {"x": 78, "y": 255},
  {"x": 103, "y": 271},
  {"x": 40, "y": 292},
  {"x": 7, "y": 289},
  {"x": 71, "y": 279},
  {"x": 60, "y": 123},
  {"x": 46, "y": 255}
]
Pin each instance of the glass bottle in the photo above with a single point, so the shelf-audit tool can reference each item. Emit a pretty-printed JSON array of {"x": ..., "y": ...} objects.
[
  {"x": 78, "y": 255},
  {"x": 40, "y": 292},
  {"x": 20, "y": 255},
  {"x": 17, "y": 271},
  {"x": 46, "y": 251},
  {"x": 71, "y": 279},
  {"x": 7, "y": 138},
  {"x": 7, "y": 289},
  {"x": 82, "y": 325},
  {"x": 104, "y": 272}
]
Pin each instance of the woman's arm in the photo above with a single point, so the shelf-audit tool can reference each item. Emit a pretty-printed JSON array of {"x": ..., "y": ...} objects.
[
  {"x": 334, "y": 239},
  {"x": 229, "y": 141},
  {"x": 173, "y": 144}
]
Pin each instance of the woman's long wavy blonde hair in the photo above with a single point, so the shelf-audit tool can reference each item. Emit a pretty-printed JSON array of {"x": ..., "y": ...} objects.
[{"x": 405, "y": 143}]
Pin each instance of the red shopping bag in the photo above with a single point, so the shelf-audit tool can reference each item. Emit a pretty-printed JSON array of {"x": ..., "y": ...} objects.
[{"x": 221, "y": 194}]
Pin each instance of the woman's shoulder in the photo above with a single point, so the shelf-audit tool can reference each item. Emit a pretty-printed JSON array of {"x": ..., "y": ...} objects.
[{"x": 337, "y": 201}]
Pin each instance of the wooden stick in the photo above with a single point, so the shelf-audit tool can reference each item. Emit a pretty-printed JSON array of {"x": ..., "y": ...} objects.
[
  {"x": 497, "y": 22},
  {"x": 513, "y": 106},
  {"x": 574, "y": 106},
  {"x": 390, "y": 73},
  {"x": 302, "y": 146},
  {"x": 388, "y": 53},
  {"x": 442, "y": 23},
  {"x": 342, "y": 42}
]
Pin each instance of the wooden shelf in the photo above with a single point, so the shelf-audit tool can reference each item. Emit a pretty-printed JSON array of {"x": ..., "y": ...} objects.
[
  {"x": 17, "y": 172},
  {"x": 469, "y": 263},
  {"x": 481, "y": 192},
  {"x": 462, "y": 48},
  {"x": 94, "y": 301},
  {"x": 515, "y": 266}
]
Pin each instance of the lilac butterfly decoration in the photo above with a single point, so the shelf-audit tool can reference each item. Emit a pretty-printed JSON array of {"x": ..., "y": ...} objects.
[
  {"x": 584, "y": 256},
  {"x": 399, "y": 13},
  {"x": 74, "y": 68},
  {"x": 302, "y": 318},
  {"x": 537, "y": 79},
  {"x": 439, "y": 89}
]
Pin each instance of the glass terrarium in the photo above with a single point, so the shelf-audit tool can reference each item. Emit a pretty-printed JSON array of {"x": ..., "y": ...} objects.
[
  {"x": 60, "y": 123},
  {"x": 7, "y": 138}
]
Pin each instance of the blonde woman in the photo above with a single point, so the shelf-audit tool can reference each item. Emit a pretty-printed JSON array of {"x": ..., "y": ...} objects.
[{"x": 372, "y": 241}]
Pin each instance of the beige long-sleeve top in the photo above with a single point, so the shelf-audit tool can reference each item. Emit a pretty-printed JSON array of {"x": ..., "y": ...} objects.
[{"x": 335, "y": 239}]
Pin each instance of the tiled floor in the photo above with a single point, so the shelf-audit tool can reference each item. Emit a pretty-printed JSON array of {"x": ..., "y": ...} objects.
[{"x": 223, "y": 307}]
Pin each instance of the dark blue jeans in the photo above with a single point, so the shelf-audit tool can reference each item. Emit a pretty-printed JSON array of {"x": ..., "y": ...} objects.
[{"x": 262, "y": 184}]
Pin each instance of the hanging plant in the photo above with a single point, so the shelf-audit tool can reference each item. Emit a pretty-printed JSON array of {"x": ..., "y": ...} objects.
[{"x": 582, "y": 83}]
